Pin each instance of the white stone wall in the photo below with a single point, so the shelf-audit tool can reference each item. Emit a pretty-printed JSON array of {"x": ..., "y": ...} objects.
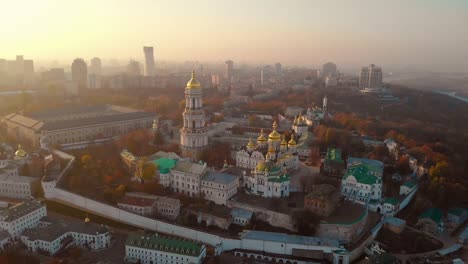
[{"x": 220, "y": 243}]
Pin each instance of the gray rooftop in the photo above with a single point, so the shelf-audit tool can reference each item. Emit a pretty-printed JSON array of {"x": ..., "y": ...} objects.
[
  {"x": 190, "y": 167},
  {"x": 290, "y": 239},
  {"x": 20, "y": 210},
  {"x": 219, "y": 177},
  {"x": 59, "y": 227},
  {"x": 242, "y": 213}
]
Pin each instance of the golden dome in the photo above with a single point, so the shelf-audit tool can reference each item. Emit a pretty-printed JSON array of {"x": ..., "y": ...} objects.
[
  {"x": 274, "y": 135},
  {"x": 292, "y": 141},
  {"x": 283, "y": 142},
  {"x": 262, "y": 136},
  {"x": 193, "y": 83},
  {"x": 250, "y": 144},
  {"x": 271, "y": 150},
  {"x": 261, "y": 165},
  {"x": 20, "y": 152}
]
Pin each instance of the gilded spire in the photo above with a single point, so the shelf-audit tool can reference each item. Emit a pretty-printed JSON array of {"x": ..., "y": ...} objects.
[{"x": 193, "y": 83}]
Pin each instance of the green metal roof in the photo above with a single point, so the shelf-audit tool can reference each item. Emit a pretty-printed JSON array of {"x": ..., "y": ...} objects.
[
  {"x": 165, "y": 164},
  {"x": 409, "y": 184},
  {"x": 165, "y": 243},
  {"x": 433, "y": 213},
  {"x": 361, "y": 173},
  {"x": 334, "y": 154},
  {"x": 280, "y": 179},
  {"x": 391, "y": 200}
]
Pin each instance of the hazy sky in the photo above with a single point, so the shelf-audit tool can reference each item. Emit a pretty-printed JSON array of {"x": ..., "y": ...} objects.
[{"x": 424, "y": 33}]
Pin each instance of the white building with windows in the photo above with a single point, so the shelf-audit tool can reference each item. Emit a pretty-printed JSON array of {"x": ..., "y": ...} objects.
[
  {"x": 193, "y": 134},
  {"x": 150, "y": 205},
  {"x": 12, "y": 184},
  {"x": 370, "y": 77},
  {"x": 187, "y": 177},
  {"x": 360, "y": 186},
  {"x": 17, "y": 218},
  {"x": 159, "y": 248},
  {"x": 219, "y": 187},
  {"x": 51, "y": 237}
]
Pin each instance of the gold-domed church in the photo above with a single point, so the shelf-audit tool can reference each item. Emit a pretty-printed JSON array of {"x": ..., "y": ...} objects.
[{"x": 271, "y": 148}]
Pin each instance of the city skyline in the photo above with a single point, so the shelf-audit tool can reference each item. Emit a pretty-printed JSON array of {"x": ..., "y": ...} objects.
[{"x": 423, "y": 34}]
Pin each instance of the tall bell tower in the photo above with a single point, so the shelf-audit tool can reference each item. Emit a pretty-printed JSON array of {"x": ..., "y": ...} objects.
[{"x": 193, "y": 134}]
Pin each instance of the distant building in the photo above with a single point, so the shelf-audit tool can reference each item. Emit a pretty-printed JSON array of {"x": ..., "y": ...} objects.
[
  {"x": 14, "y": 185},
  {"x": 51, "y": 237},
  {"x": 187, "y": 177},
  {"x": 95, "y": 67},
  {"x": 328, "y": 69},
  {"x": 76, "y": 124},
  {"x": 159, "y": 248},
  {"x": 150, "y": 69},
  {"x": 375, "y": 167},
  {"x": 370, "y": 77},
  {"x": 278, "y": 68},
  {"x": 241, "y": 216},
  {"x": 331, "y": 81},
  {"x": 150, "y": 205},
  {"x": 407, "y": 187},
  {"x": 219, "y": 187},
  {"x": 20, "y": 217},
  {"x": 80, "y": 73},
  {"x": 361, "y": 185},
  {"x": 17, "y": 73},
  {"x": 229, "y": 68},
  {"x": 133, "y": 68},
  {"x": 54, "y": 75},
  {"x": 94, "y": 81}
]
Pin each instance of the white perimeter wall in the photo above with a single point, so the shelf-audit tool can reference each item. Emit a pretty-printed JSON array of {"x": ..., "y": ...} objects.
[{"x": 220, "y": 243}]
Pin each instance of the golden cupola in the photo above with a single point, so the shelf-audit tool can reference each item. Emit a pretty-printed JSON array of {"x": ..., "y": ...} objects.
[
  {"x": 250, "y": 144},
  {"x": 292, "y": 142},
  {"x": 262, "y": 137},
  {"x": 274, "y": 135},
  {"x": 283, "y": 141},
  {"x": 193, "y": 83}
]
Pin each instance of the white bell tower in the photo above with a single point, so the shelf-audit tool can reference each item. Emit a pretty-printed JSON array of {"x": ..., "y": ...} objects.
[{"x": 193, "y": 134}]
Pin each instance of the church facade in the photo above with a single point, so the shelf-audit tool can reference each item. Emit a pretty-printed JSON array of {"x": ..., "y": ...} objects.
[{"x": 274, "y": 148}]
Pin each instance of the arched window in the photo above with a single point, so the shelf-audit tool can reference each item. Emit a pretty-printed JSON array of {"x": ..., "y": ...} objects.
[{"x": 193, "y": 124}]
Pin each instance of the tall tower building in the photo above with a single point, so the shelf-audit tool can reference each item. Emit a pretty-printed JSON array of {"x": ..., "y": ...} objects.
[
  {"x": 133, "y": 68},
  {"x": 80, "y": 73},
  {"x": 96, "y": 66},
  {"x": 328, "y": 69},
  {"x": 229, "y": 69},
  {"x": 193, "y": 134},
  {"x": 149, "y": 61},
  {"x": 278, "y": 68},
  {"x": 370, "y": 77}
]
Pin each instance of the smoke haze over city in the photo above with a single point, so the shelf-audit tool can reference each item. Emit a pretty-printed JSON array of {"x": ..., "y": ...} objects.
[{"x": 428, "y": 35}]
